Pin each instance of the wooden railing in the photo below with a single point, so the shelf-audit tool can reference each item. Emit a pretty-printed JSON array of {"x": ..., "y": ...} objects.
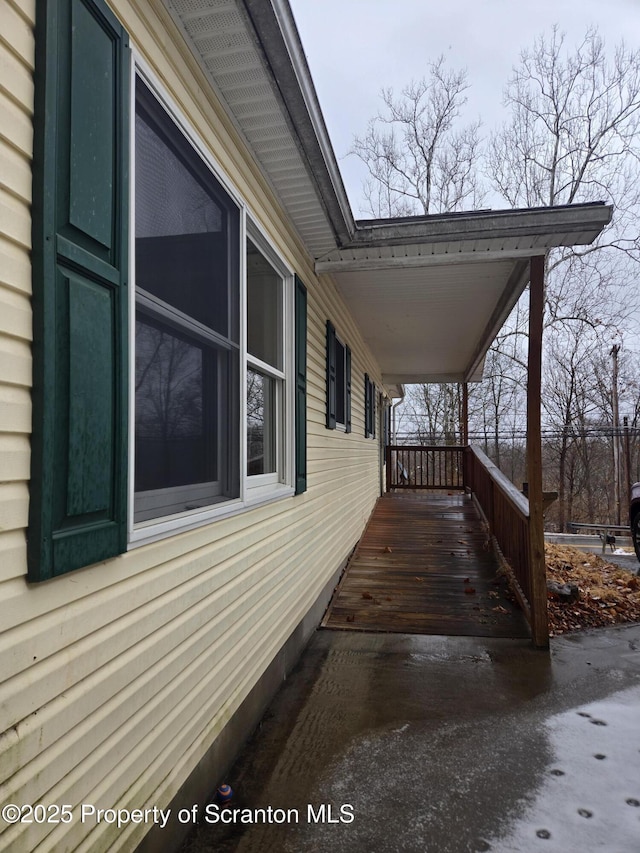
[
  {"x": 420, "y": 467},
  {"x": 505, "y": 509},
  {"x": 507, "y": 513}
]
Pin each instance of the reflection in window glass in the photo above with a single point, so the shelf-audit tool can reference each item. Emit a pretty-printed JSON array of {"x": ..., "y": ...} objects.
[
  {"x": 264, "y": 309},
  {"x": 181, "y": 227},
  {"x": 261, "y": 424},
  {"x": 171, "y": 410}
]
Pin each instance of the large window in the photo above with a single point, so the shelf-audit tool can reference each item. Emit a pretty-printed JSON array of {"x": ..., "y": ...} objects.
[
  {"x": 187, "y": 330},
  {"x": 198, "y": 364}
]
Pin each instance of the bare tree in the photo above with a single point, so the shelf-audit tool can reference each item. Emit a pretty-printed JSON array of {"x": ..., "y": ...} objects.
[
  {"x": 420, "y": 158},
  {"x": 432, "y": 413},
  {"x": 572, "y": 136}
]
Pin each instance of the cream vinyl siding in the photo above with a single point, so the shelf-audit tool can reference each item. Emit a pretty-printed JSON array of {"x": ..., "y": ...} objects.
[
  {"x": 115, "y": 679},
  {"x": 16, "y": 141}
]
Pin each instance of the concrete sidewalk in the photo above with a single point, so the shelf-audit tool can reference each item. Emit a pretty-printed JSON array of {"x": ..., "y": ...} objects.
[{"x": 444, "y": 745}]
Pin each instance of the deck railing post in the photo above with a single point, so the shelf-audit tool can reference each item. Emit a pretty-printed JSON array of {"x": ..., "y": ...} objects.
[{"x": 387, "y": 460}]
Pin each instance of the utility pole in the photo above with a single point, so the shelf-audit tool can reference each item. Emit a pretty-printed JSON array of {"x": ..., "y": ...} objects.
[
  {"x": 627, "y": 461},
  {"x": 616, "y": 428}
]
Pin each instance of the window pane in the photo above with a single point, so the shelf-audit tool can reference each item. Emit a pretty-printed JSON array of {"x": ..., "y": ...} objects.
[
  {"x": 264, "y": 308},
  {"x": 261, "y": 423},
  {"x": 171, "y": 408},
  {"x": 180, "y": 419},
  {"x": 186, "y": 226}
]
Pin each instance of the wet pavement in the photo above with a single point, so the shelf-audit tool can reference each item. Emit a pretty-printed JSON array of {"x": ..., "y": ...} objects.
[{"x": 381, "y": 742}]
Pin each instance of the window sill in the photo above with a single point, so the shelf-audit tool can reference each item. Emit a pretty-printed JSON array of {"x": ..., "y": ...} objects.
[
  {"x": 256, "y": 495},
  {"x": 154, "y": 531}
]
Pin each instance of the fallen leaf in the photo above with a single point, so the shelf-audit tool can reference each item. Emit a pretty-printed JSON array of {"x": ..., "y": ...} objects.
[
  {"x": 469, "y": 590},
  {"x": 367, "y": 595},
  {"x": 500, "y": 609},
  {"x": 386, "y": 550}
]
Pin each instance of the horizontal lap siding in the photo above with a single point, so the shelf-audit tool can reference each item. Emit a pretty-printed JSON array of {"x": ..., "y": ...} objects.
[
  {"x": 16, "y": 141},
  {"x": 115, "y": 679}
]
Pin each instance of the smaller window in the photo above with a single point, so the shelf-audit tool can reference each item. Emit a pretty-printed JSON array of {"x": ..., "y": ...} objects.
[
  {"x": 369, "y": 408},
  {"x": 338, "y": 382},
  {"x": 266, "y": 374}
]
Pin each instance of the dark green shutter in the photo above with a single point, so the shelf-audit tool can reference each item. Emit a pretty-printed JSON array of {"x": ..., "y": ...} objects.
[
  {"x": 331, "y": 376},
  {"x": 347, "y": 383},
  {"x": 80, "y": 224},
  {"x": 301, "y": 387}
]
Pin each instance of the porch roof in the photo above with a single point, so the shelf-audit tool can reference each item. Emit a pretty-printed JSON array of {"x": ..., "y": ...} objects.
[{"x": 429, "y": 293}]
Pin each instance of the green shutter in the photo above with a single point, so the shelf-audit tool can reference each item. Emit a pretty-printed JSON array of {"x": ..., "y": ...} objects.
[
  {"x": 78, "y": 500},
  {"x": 347, "y": 382},
  {"x": 301, "y": 387},
  {"x": 331, "y": 376}
]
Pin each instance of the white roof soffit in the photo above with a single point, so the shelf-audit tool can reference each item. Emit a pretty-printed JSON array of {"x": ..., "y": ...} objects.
[
  {"x": 431, "y": 293},
  {"x": 251, "y": 52}
]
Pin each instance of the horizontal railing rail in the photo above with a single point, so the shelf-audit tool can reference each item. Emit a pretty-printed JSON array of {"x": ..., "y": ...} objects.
[
  {"x": 416, "y": 466},
  {"x": 507, "y": 514}
]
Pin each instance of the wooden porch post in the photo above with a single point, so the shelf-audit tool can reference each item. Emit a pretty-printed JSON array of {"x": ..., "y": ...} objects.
[
  {"x": 465, "y": 414},
  {"x": 539, "y": 619}
]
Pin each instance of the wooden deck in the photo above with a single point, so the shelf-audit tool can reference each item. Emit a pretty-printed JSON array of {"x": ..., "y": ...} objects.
[{"x": 424, "y": 565}]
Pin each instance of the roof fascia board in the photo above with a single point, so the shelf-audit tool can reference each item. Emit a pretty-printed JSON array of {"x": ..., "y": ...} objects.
[
  {"x": 278, "y": 41},
  {"x": 401, "y": 379},
  {"x": 479, "y": 225}
]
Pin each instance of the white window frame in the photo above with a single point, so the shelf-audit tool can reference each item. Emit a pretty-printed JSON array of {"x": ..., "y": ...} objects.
[
  {"x": 256, "y": 489},
  {"x": 259, "y": 485}
]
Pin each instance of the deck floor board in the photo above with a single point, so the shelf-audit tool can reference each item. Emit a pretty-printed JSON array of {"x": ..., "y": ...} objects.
[{"x": 424, "y": 566}]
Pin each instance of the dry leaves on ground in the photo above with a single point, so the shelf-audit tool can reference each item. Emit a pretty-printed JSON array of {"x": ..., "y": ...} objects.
[{"x": 608, "y": 594}]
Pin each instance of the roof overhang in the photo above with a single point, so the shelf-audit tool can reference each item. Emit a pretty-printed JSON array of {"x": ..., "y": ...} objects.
[
  {"x": 431, "y": 293},
  {"x": 251, "y": 53}
]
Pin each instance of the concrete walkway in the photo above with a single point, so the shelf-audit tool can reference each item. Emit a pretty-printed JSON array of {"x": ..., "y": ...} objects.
[{"x": 444, "y": 745}]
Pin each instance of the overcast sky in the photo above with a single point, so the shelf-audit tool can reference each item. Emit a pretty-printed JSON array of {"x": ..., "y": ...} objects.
[{"x": 355, "y": 47}]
